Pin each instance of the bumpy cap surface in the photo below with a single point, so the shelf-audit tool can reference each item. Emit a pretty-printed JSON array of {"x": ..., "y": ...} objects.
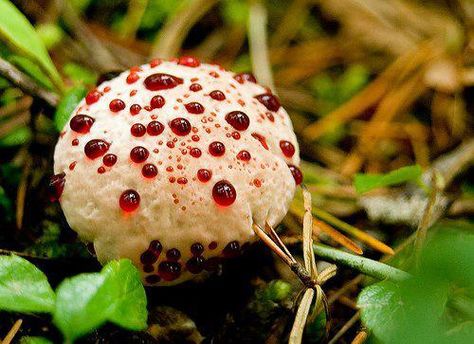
[{"x": 170, "y": 163}]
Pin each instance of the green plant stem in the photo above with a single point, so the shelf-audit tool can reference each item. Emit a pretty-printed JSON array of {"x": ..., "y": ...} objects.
[{"x": 366, "y": 266}]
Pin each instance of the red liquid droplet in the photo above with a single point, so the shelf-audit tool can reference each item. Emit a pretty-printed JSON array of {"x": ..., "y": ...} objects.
[
  {"x": 161, "y": 81},
  {"x": 231, "y": 250},
  {"x": 195, "y": 264},
  {"x": 244, "y": 155},
  {"x": 214, "y": 74},
  {"x": 242, "y": 77},
  {"x": 169, "y": 271},
  {"x": 195, "y": 152},
  {"x": 197, "y": 249},
  {"x": 189, "y": 61},
  {"x": 270, "y": 101},
  {"x": 129, "y": 200},
  {"x": 139, "y": 154},
  {"x": 173, "y": 254},
  {"x": 135, "y": 109},
  {"x": 257, "y": 182},
  {"x": 194, "y": 108},
  {"x": 216, "y": 148},
  {"x": 236, "y": 135},
  {"x": 75, "y": 142},
  {"x": 156, "y": 247},
  {"x": 262, "y": 140},
  {"x": 297, "y": 175},
  {"x": 72, "y": 165},
  {"x": 157, "y": 102},
  {"x": 81, "y": 123},
  {"x": 96, "y": 148},
  {"x": 287, "y": 148},
  {"x": 195, "y": 138},
  {"x": 212, "y": 245},
  {"x": 92, "y": 97},
  {"x": 132, "y": 77},
  {"x": 238, "y": 120},
  {"x": 138, "y": 130},
  {"x": 101, "y": 169},
  {"x": 224, "y": 193},
  {"x": 148, "y": 257},
  {"x": 109, "y": 160},
  {"x": 182, "y": 180},
  {"x": 204, "y": 175},
  {"x": 116, "y": 105},
  {"x": 217, "y": 95},
  {"x": 180, "y": 126},
  {"x": 195, "y": 87},
  {"x": 155, "y": 128},
  {"x": 149, "y": 171},
  {"x": 155, "y": 62},
  {"x": 56, "y": 186}
]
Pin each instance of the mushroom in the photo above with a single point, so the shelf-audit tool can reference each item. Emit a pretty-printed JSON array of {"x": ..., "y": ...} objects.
[{"x": 171, "y": 163}]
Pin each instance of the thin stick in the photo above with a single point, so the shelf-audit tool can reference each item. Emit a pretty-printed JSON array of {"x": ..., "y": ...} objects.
[
  {"x": 344, "y": 328},
  {"x": 13, "y": 331},
  {"x": 297, "y": 331},
  {"x": 360, "y": 338}
]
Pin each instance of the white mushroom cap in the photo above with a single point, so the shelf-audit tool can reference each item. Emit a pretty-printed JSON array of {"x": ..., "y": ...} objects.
[{"x": 175, "y": 224}]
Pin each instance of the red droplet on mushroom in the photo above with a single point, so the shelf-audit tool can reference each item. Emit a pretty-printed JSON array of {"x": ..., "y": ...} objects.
[
  {"x": 92, "y": 97},
  {"x": 138, "y": 130},
  {"x": 189, "y": 61},
  {"x": 197, "y": 249},
  {"x": 287, "y": 148},
  {"x": 109, "y": 160},
  {"x": 75, "y": 142},
  {"x": 195, "y": 264},
  {"x": 180, "y": 126},
  {"x": 169, "y": 271},
  {"x": 244, "y": 155},
  {"x": 238, "y": 120},
  {"x": 149, "y": 171},
  {"x": 270, "y": 101},
  {"x": 195, "y": 152},
  {"x": 101, "y": 170},
  {"x": 224, "y": 193},
  {"x": 182, "y": 180},
  {"x": 81, "y": 123},
  {"x": 173, "y": 254},
  {"x": 72, "y": 165},
  {"x": 155, "y": 62},
  {"x": 216, "y": 148},
  {"x": 154, "y": 128},
  {"x": 217, "y": 95},
  {"x": 194, "y": 108},
  {"x": 135, "y": 109},
  {"x": 262, "y": 139},
  {"x": 195, "y": 87},
  {"x": 129, "y": 200},
  {"x": 96, "y": 148},
  {"x": 116, "y": 105},
  {"x": 156, "y": 247},
  {"x": 161, "y": 81},
  {"x": 157, "y": 102},
  {"x": 148, "y": 257},
  {"x": 231, "y": 250},
  {"x": 297, "y": 175},
  {"x": 242, "y": 77},
  {"x": 204, "y": 175},
  {"x": 139, "y": 154},
  {"x": 56, "y": 186},
  {"x": 132, "y": 77}
]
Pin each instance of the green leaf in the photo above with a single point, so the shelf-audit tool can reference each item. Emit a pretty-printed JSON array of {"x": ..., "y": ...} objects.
[
  {"x": 32, "y": 69},
  {"x": 50, "y": 34},
  {"x": 67, "y": 105},
  {"x": 34, "y": 340},
  {"x": 23, "y": 287},
  {"x": 366, "y": 182},
  {"x": 86, "y": 301},
  {"x": 18, "y": 33},
  {"x": 17, "y": 137},
  {"x": 79, "y": 74}
]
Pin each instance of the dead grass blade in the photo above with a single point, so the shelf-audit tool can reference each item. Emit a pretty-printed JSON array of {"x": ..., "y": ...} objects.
[
  {"x": 296, "y": 335},
  {"x": 13, "y": 331}
]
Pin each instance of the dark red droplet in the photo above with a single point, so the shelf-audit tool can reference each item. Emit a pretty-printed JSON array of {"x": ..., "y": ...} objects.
[
  {"x": 148, "y": 257},
  {"x": 194, "y": 108},
  {"x": 129, "y": 200},
  {"x": 101, "y": 169},
  {"x": 132, "y": 77},
  {"x": 116, "y": 105},
  {"x": 204, "y": 175},
  {"x": 297, "y": 175},
  {"x": 152, "y": 279},
  {"x": 56, "y": 186},
  {"x": 195, "y": 87},
  {"x": 154, "y": 128},
  {"x": 139, "y": 154},
  {"x": 197, "y": 249},
  {"x": 81, "y": 123},
  {"x": 182, "y": 180},
  {"x": 189, "y": 61},
  {"x": 138, "y": 130},
  {"x": 161, "y": 81},
  {"x": 169, "y": 271},
  {"x": 231, "y": 250},
  {"x": 217, "y": 95},
  {"x": 195, "y": 264},
  {"x": 224, "y": 193},
  {"x": 157, "y": 102},
  {"x": 195, "y": 152},
  {"x": 238, "y": 120},
  {"x": 149, "y": 171},
  {"x": 92, "y": 97},
  {"x": 148, "y": 268},
  {"x": 109, "y": 160},
  {"x": 156, "y": 247},
  {"x": 212, "y": 245},
  {"x": 270, "y": 101},
  {"x": 244, "y": 155},
  {"x": 72, "y": 165},
  {"x": 261, "y": 139},
  {"x": 135, "y": 109},
  {"x": 75, "y": 142},
  {"x": 96, "y": 148},
  {"x": 173, "y": 254},
  {"x": 287, "y": 148},
  {"x": 180, "y": 126},
  {"x": 216, "y": 148},
  {"x": 242, "y": 77}
]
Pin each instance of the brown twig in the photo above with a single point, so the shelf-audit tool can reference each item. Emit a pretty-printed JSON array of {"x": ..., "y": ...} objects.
[{"x": 13, "y": 331}]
